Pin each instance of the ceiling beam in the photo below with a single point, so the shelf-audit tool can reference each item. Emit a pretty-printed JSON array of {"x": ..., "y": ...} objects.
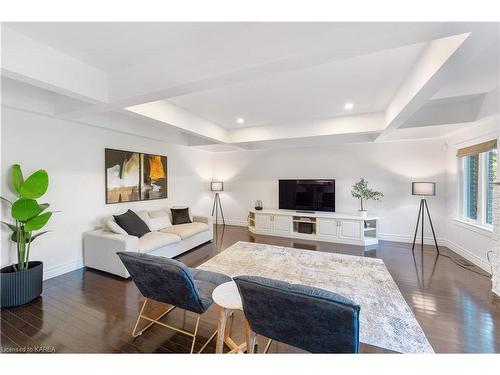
[
  {"x": 28, "y": 61},
  {"x": 442, "y": 60},
  {"x": 364, "y": 123},
  {"x": 173, "y": 115}
]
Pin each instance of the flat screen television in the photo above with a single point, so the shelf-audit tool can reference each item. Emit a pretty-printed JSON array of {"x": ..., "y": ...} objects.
[{"x": 307, "y": 195}]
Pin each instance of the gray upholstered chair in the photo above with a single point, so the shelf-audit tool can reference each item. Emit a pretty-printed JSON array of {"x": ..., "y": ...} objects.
[
  {"x": 170, "y": 281},
  {"x": 309, "y": 318}
]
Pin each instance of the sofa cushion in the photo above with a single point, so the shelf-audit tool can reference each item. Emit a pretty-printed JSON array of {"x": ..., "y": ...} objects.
[
  {"x": 186, "y": 230},
  {"x": 155, "y": 240},
  {"x": 132, "y": 223}
]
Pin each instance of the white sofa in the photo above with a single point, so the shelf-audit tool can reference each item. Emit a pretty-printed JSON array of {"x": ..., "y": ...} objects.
[{"x": 101, "y": 245}]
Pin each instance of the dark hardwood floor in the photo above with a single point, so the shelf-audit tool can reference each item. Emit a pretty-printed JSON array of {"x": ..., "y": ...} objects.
[{"x": 87, "y": 311}]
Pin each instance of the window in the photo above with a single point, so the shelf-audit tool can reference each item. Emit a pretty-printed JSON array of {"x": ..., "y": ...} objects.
[
  {"x": 491, "y": 176},
  {"x": 479, "y": 170},
  {"x": 471, "y": 187}
]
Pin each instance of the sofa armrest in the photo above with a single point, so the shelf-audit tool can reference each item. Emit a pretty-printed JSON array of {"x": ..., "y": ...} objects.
[
  {"x": 204, "y": 219},
  {"x": 207, "y": 220},
  {"x": 100, "y": 248}
]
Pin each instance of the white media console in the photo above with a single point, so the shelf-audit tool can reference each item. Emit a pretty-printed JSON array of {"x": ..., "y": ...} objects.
[{"x": 320, "y": 226}]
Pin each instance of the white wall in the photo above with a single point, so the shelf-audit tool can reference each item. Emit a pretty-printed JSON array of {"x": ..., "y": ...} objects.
[
  {"x": 389, "y": 167},
  {"x": 467, "y": 240},
  {"x": 73, "y": 155}
]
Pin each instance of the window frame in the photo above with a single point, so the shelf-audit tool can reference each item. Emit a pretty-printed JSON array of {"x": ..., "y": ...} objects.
[{"x": 482, "y": 191}]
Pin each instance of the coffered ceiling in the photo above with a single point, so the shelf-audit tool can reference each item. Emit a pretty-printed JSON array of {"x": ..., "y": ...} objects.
[{"x": 251, "y": 85}]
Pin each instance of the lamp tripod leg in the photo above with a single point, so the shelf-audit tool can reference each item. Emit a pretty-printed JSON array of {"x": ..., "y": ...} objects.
[
  {"x": 422, "y": 243},
  {"x": 432, "y": 227},
  {"x": 416, "y": 227},
  {"x": 213, "y": 206},
  {"x": 216, "y": 203},
  {"x": 221, "y": 212}
]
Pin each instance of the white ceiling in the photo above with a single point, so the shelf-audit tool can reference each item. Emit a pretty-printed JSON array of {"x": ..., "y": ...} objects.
[
  {"x": 287, "y": 80},
  {"x": 368, "y": 82},
  {"x": 111, "y": 46}
]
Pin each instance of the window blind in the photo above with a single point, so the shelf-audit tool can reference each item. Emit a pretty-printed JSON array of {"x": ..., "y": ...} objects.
[{"x": 477, "y": 149}]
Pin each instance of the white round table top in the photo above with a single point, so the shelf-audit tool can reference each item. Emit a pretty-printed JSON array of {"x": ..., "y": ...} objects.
[{"x": 226, "y": 295}]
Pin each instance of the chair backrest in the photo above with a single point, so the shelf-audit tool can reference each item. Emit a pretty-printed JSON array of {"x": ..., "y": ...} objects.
[
  {"x": 309, "y": 318},
  {"x": 163, "y": 280}
]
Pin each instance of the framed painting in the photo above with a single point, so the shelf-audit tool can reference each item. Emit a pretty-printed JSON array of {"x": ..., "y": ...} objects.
[
  {"x": 133, "y": 176},
  {"x": 153, "y": 177}
]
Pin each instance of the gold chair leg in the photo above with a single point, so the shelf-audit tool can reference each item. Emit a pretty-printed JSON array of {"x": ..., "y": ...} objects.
[
  {"x": 139, "y": 318},
  {"x": 268, "y": 345},
  {"x": 195, "y": 333},
  {"x": 208, "y": 341},
  {"x": 152, "y": 321},
  {"x": 251, "y": 338},
  {"x": 180, "y": 330}
]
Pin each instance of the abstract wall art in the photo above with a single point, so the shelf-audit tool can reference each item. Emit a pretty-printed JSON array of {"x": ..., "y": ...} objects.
[{"x": 133, "y": 176}]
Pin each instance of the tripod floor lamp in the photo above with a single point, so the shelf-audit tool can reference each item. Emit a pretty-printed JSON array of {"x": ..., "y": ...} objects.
[
  {"x": 424, "y": 189},
  {"x": 217, "y": 186}
]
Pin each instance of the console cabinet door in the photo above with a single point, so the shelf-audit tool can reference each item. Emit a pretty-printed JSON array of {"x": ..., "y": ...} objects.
[
  {"x": 263, "y": 222},
  {"x": 351, "y": 230},
  {"x": 328, "y": 228},
  {"x": 282, "y": 224}
]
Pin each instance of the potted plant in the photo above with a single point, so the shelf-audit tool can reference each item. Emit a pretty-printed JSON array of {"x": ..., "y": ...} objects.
[
  {"x": 361, "y": 191},
  {"x": 21, "y": 282}
]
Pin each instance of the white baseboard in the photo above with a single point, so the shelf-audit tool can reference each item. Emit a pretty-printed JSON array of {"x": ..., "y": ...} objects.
[
  {"x": 406, "y": 238},
  {"x": 60, "y": 269},
  {"x": 238, "y": 223},
  {"x": 462, "y": 251}
]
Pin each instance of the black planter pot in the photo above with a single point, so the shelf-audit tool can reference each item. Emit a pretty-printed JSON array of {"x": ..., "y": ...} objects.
[{"x": 19, "y": 288}]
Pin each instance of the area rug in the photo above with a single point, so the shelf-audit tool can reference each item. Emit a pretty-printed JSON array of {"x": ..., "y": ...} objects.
[{"x": 386, "y": 320}]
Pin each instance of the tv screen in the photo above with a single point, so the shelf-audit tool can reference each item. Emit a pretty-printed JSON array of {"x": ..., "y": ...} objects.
[{"x": 307, "y": 195}]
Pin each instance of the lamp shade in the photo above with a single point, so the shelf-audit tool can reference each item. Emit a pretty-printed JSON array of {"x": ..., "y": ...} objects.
[
  {"x": 217, "y": 186},
  {"x": 423, "y": 188}
]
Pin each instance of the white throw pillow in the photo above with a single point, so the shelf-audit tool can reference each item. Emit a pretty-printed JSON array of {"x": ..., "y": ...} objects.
[
  {"x": 112, "y": 226},
  {"x": 159, "y": 219},
  {"x": 158, "y": 223}
]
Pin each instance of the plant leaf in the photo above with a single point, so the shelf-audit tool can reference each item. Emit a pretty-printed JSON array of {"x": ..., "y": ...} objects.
[
  {"x": 43, "y": 206},
  {"x": 39, "y": 234},
  {"x": 37, "y": 222},
  {"x": 11, "y": 226},
  {"x": 6, "y": 200},
  {"x": 24, "y": 209},
  {"x": 35, "y": 185},
  {"x": 13, "y": 237},
  {"x": 17, "y": 178}
]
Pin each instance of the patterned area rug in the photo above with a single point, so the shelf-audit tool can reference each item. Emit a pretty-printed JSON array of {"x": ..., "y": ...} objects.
[{"x": 386, "y": 320}]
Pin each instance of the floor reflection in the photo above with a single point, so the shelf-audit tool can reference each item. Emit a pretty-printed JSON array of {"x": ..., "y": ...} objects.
[
  {"x": 219, "y": 237},
  {"x": 424, "y": 278}
]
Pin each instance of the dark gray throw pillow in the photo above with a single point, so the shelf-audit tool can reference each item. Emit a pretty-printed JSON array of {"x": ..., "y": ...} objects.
[
  {"x": 180, "y": 216},
  {"x": 132, "y": 224}
]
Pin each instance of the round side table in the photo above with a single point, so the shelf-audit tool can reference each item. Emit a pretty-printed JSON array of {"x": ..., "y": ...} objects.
[{"x": 228, "y": 298}]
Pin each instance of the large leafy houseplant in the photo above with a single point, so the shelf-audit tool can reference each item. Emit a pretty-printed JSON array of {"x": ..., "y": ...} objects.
[
  {"x": 28, "y": 215},
  {"x": 361, "y": 191}
]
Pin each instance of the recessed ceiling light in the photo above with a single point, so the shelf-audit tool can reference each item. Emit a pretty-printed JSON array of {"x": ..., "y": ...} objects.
[
  {"x": 348, "y": 106},
  {"x": 240, "y": 120}
]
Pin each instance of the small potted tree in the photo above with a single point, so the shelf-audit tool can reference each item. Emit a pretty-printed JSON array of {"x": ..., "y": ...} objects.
[
  {"x": 361, "y": 191},
  {"x": 21, "y": 282}
]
